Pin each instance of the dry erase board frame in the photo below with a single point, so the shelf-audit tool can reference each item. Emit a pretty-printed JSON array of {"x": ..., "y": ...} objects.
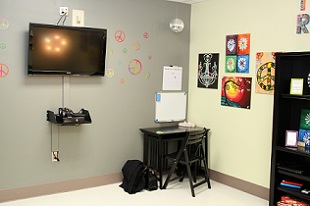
[{"x": 170, "y": 106}]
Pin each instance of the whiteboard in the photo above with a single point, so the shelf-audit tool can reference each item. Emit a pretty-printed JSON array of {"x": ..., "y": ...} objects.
[{"x": 170, "y": 106}]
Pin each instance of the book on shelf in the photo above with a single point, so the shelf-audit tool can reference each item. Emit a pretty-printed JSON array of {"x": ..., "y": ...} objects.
[
  {"x": 289, "y": 201},
  {"x": 297, "y": 169},
  {"x": 290, "y": 186},
  {"x": 281, "y": 203},
  {"x": 292, "y": 182}
]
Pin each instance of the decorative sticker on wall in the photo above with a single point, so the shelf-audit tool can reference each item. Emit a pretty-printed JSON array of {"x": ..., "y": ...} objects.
[
  {"x": 4, "y": 70},
  {"x": 2, "y": 45},
  {"x": 120, "y": 36},
  {"x": 236, "y": 92},
  {"x": 111, "y": 51},
  {"x": 147, "y": 75},
  {"x": 302, "y": 22},
  {"x": 265, "y": 72},
  {"x": 136, "y": 46},
  {"x": 135, "y": 67},
  {"x": 122, "y": 81},
  {"x": 302, "y": 5},
  {"x": 110, "y": 73},
  {"x": 125, "y": 50},
  {"x": 237, "y": 53},
  {"x": 208, "y": 70},
  {"x": 146, "y": 35},
  {"x": 4, "y": 24},
  {"x": 150, "y": 57}
]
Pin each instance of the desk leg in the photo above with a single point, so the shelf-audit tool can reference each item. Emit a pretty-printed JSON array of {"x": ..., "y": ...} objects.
[
  {"x": 145, "y": 149},
  {"x": 207, "y": 157},
  {"x": 160, "y": 163}
]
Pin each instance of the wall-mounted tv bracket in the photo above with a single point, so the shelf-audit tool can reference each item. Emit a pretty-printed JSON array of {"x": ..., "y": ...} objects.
[{"x": 65, "y": 117}]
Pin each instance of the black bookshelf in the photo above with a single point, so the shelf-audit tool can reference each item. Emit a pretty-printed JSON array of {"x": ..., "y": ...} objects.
[{"x": 289, "y": 163}]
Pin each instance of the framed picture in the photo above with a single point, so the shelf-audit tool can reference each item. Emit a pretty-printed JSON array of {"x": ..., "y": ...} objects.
[
  {"x": 291, "y": 137},
  {"x": 296, "y": 86}
]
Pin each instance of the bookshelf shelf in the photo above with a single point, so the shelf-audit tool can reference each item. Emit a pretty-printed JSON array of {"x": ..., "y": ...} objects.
[
  {"x": 298, "y": 151},
  {"x": 294, "y": 193},
  {"x": 289, "y": 163},
  {"x": 293, "y": 175},
  {"x": 297, "y": 97}
]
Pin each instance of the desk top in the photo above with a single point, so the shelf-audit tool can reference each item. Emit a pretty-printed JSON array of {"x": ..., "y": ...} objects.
[{"x": 170, "y": 130}]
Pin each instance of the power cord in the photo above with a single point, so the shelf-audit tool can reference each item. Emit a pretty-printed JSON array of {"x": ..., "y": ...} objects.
[{"x": 63, "y": 22}]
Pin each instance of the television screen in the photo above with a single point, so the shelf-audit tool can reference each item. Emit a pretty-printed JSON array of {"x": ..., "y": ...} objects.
[{"x": 66, "y": 50}]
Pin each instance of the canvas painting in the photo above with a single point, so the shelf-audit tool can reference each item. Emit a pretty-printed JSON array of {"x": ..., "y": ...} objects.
[
  {"x": 243, "y": 44},
  {"x": 236, "y": 92},
  {"x": 265, "y": 72},
  {"x": 304, "y": 127},
  {"x": 231, "y": 44},
  {"x": 237, "y": 53},
  {"x": 208, "y": 70},
  {"x": 243, "y": 64},
  {"x": 231, "y": 64}
]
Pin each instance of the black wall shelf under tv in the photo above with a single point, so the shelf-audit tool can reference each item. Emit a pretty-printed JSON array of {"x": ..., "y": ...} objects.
[{"x": 69, "y": 119}]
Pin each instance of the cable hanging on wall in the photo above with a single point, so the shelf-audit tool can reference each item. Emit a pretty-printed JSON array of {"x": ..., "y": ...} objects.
[{"x": 63, "y": 22}]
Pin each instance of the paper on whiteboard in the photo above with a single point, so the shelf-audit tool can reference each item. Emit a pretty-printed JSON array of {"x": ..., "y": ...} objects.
[{"x": 172, "y": 78}]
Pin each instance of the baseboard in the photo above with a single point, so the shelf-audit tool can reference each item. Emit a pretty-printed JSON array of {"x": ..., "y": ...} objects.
[
  {"x": 58, "y": 187},
  {"x": 71, "y": 185},
  {"x": 239, "y": 184}
]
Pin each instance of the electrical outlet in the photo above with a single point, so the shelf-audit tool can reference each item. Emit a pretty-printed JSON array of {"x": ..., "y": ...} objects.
[
  {"x": 55, "y": 156},
  {"x": 63, "y": 10}
]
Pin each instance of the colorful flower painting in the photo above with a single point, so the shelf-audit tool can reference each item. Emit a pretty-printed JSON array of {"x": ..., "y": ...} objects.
[
  {"x": 231, "y": 44},
  {"x": 243, "y": 44},
  {"x": 231, "y": 62},
  {"x": 304, "y": 127},
  {"x": 243, "y": 64},
  {"x": 237, "y": 53},
  {"x": 236, "y": 92}
]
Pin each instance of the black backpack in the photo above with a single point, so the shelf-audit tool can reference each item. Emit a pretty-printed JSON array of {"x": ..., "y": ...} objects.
[{"x": 133, "y": 172}]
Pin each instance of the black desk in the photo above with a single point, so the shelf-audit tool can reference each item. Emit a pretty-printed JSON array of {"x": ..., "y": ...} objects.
[{"x": 155, "y": 144}]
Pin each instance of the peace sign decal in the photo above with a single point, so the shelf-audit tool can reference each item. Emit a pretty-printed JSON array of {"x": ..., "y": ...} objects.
[
  {"x": 4, "y": 24},
  {"x": 134, "y": 67},
  {"x": 4, "y": 70},
  {"x": 119, "y": 36},
  {"x": 265, "y": 76}
]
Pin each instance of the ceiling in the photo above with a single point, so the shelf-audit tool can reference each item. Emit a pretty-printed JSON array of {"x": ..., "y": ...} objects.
[{"x": 188, "y": 1}]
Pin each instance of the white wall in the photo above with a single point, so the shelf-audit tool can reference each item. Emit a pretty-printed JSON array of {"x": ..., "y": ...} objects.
[{"x": 240, "y": 142}]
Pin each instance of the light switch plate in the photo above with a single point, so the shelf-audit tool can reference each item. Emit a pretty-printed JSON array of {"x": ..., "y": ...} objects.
[{"x": 77, "y": 18}]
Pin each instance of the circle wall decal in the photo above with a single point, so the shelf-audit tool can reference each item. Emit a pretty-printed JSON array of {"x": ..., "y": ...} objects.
[
  {"x": 134, "y": 67},
  {"x": 120, "y": 36}
]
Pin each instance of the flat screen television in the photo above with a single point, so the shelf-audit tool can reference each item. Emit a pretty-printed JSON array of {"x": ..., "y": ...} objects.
[{"x": 66, "y": 50}]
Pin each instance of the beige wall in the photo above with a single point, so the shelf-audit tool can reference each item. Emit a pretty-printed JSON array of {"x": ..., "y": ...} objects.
[{"x": 240, "y": 142}]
